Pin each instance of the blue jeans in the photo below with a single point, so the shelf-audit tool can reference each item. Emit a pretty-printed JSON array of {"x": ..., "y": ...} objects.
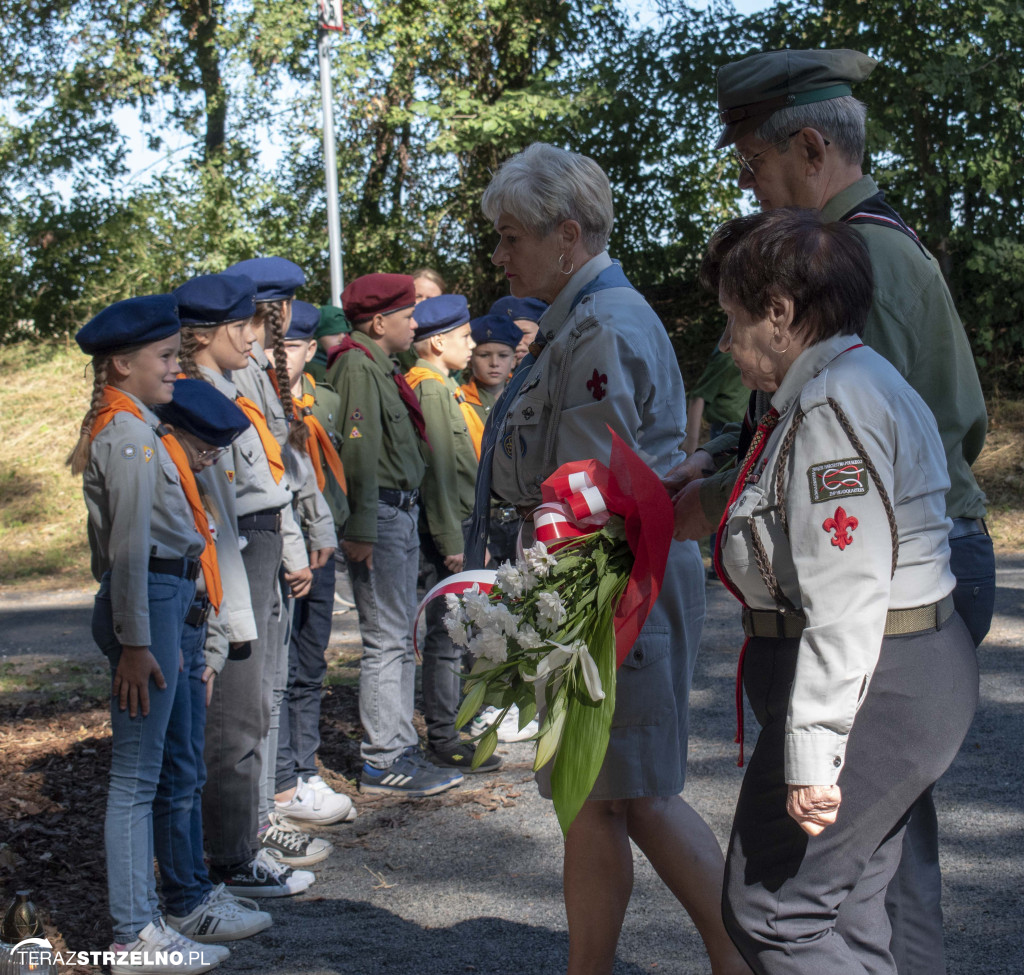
[
  {"x": 299, "y": 734},
  {"x": 442, "y": 660},
  {"x": 138, "y": 751},
  {"x": 385, "y": 598},
  {"x": 178, "y": 807}
]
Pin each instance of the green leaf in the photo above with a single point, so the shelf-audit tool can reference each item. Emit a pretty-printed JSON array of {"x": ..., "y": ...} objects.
[
  {"x": 471, "y": 703},
  {"x": 485, "y": 747},
  {"x": 587, "y": 729},
  {"x": 548, "y": 742}
]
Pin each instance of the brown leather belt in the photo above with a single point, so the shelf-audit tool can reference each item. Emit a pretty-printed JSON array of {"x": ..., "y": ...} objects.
[{"x": 898, "y": 622}]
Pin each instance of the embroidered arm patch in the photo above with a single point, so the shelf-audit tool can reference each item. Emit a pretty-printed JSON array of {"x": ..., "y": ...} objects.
[{"x": 837, "y": 479}]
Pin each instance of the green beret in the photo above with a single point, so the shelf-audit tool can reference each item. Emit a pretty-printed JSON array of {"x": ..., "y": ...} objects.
[
  {"x": 332, "y": 322},
  {"x": 749, "y": 91}
]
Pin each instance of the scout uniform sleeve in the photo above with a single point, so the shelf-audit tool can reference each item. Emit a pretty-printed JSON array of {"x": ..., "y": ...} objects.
[
  {"x": 234, "y": 623},
  {"x": 294, "y": 556},
  {"x": 609, "y": 385},
  {"x": 130, "y": 482},
  {"x": 840, "y": 540},
  {"x": 360, "y": 433},
  {"x": 440, "y": 482},
  {"x": 314, "y": 516}
]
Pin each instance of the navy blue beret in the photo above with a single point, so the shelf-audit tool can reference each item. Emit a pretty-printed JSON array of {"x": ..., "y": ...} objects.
[
  {"x": 213, "y": 299},
  {"x": 529, "y": 309},
  {"x": 202, "y": 410},
  {"x": 441, "y": 314},
  {"x": 305, "y": 319},
  {"x": 275, "y": 277},
  {"x": 134, "y": 321},
  {"x": 495, "y": 328}
]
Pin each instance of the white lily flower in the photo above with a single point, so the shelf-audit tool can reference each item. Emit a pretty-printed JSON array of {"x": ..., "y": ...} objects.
[
  {"x": 559, "y": 656},
  {"x": 510, "y": 579},
  {"x": 490, "y": 644},
  {"x": 591, "y": 675},
  {"x": 550, "y": 611}
]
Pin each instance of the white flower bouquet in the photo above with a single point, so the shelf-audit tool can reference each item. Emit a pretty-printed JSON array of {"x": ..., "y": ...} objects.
[{"x": 549, "y": 631}]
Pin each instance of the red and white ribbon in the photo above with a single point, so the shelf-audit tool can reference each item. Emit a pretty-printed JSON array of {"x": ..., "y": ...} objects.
[
  {"x": 581, "y": 509},
  {"x": 457, "y": 584}
]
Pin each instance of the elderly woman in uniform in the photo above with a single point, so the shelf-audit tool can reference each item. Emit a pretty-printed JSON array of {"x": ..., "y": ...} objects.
[
  {"x": 602, "y": 358},
  {"x": 863, "y": 678}
]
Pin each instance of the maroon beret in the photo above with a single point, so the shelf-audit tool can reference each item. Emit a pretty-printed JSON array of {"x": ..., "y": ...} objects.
[{"x": 377, "y": 294}]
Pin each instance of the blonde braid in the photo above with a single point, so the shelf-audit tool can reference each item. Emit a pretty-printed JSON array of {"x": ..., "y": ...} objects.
[
  {"x": 187, "y": 353},
  {"x": 78, "y": 459},
  {"x": 273, "y": 314}
]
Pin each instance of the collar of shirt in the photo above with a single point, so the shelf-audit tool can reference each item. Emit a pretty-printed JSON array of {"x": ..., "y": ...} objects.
[
  {"x": 555, "y": 317},
  {"x": 807, "y": 365},
  {"x": 222, "y": 383},
  {"x": 379, "y": 356},
  {"x": 847, "y": 199},
  {"x": 147, "y": 414},
  {"x": 429, "y": 365}
]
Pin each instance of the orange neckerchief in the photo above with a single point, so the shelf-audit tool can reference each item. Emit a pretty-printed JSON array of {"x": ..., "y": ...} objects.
[
  {"x": 474, "y": 424},
  {"x": 270, "y": 445},
  {"x": 114, "y": 402},
  {"x": 470, "y": 391},
  {"x": 318, "y": 441}
]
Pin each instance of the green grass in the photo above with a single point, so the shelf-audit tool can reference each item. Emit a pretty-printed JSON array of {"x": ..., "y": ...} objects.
[{"x": 28, "y": 679}]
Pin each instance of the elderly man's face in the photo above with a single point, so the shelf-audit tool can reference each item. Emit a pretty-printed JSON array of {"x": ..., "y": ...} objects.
[{"x": 779, "y": 179}]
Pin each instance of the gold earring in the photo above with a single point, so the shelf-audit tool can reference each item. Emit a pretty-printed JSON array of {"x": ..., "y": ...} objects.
[{"x": 780, "y": 351}]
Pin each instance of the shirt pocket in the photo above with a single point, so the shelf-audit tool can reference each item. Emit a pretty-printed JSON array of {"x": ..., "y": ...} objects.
[{"x": 522, "y": 439}]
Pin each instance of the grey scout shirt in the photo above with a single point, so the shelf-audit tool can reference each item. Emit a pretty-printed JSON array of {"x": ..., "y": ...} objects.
[
  {"x": 313, "y": 513},
  {"x": 835, "y": 561},
  {"x": 137, "y": 510},
  {"x": 607, "y": 362},
  {"x": 246, "y": 467}
]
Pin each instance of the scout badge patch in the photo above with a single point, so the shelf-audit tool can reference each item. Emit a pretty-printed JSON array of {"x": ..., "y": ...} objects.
[{"x": 837, "y": 479}]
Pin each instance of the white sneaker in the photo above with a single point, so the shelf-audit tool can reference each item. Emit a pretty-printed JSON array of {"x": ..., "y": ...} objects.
[
  {"x": 155, "y": 948},
  {"x": 287, "y": 843},
  {"x": 318, "y": 807},
  {"x": 221, "y": 917},
  {"x": 483, "y": 721},
  {"x": 509, "y": 730}
]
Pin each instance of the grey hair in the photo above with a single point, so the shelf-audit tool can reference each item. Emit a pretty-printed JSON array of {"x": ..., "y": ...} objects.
[
  {"x": 544, "y": 185},
  {"x": 840, "y": 120}
]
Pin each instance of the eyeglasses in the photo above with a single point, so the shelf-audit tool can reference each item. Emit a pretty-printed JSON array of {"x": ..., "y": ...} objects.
[
  {"x": 747, "y": 162},
  {"x": 210, "y": 455}
]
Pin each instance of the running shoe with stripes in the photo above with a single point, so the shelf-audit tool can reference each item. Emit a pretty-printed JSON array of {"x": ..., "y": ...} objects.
[
  {"x": 409, "y": 775},
  {"x": 290, "y": 845},
  {"x": 221, "y": 917}
]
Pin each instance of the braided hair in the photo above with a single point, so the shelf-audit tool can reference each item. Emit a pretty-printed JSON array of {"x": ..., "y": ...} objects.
[
  {"x": 270, "y": 314},
  {"x": 78, "y": 459},
  {"x": 187, "y": 354}
]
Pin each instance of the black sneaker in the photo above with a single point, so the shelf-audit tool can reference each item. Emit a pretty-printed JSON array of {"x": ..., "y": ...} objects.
[
  {"x": 263, "y": 876},
  {"x": 291, "y": 846},
  {"x": 409, "y": 775},
  {"x": 460, "y": 756}
]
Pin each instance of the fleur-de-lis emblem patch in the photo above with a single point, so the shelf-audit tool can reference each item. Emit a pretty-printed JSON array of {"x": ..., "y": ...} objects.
[
  {"x": 842, "y": 525},
  {"x": 596, "y": 385}
]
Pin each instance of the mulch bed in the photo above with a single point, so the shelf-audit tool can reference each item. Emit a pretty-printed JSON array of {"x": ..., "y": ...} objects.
[{"x": 54, "y": 763}]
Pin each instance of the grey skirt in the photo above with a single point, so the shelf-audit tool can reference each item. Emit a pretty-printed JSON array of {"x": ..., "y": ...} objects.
[{"x": 647, "y": 748}]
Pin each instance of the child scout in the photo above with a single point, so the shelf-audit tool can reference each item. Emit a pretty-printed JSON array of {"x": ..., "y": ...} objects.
[{"x": 495, "y": 338}]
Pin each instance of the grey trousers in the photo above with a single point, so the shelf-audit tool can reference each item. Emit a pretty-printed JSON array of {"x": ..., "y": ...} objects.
[
  {"x": 238, "y": 719},
  {"x": 811, "y": 905}
]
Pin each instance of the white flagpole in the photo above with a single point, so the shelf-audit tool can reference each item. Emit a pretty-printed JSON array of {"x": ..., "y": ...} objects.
[{"x": 332, "y": 11}]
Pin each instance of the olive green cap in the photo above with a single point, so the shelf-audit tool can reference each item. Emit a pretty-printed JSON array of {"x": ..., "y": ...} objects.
[
  {"x": 332, "y": 322},
  {"x": 749, "y": 91}
]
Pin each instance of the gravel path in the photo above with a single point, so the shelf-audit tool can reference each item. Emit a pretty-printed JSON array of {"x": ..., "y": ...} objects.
[{"x": 470, "y": 882}]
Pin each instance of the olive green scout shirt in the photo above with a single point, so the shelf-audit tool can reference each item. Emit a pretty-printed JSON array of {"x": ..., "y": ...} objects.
[
  {"x": 913, "y": 324},
  {"x": 379, "y": 445},
  {"x": 450, "y": 478}
]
